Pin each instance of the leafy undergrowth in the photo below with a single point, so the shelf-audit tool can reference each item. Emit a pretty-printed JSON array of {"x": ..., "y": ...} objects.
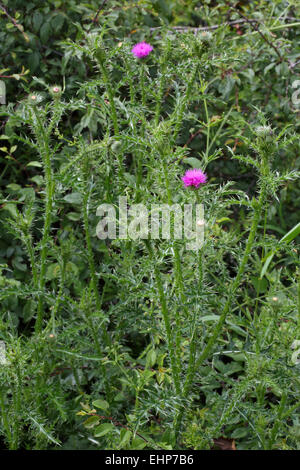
[{"x": 138, "y": 342}]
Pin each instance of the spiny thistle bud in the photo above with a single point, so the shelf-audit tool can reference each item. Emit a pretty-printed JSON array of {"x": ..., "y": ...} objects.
[
  {"x": 34, "y": 99},
  {"x": 115, "y": 145},
  {"x": 265, "y": 132},
  {"x": 206, "y": 37},
  {"x": 265, "y": 141},
  {"x": 203, "y": 40},
  {"x": 56, "y": 91}
]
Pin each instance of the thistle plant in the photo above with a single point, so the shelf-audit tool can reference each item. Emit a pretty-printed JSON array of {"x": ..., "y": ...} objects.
[{"x": 137, "y": 342}]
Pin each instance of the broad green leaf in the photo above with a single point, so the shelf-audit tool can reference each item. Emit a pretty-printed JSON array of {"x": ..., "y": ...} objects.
[
  {"x": 138, "y": 443},
  {"x": 103, "y": 429},
  {"x": 73, "y": 198},
  {"x": 36, "y": 164},
  {"x": 102, "y": 404},
  {"x": 151, "y": 358},
  {"x": 125, "y": 436},
  {"x": 91, "y": 422},
  {"x": 74, "y": 216},
  {"x": 193, "y": 162}
]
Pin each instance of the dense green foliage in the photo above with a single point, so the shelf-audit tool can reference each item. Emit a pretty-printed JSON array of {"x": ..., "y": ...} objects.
[{"x": 132, "y": 344}]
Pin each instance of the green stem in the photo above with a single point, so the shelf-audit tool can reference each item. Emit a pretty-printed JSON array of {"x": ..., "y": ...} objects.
[
  {"x": 166, "y": 319},
  {"x": 298, "y": 324},
  {"x": 110, "y": 97},
  {"x": 142, "y": 84},
  {"x": 130, "y": 81},
  {"x": 192, "y": 353},
  {"x": 207, "y": 118},
  {"x": 262, "y": 257},
  {"x": 180, "y": 113},
  {"x": 90, "y": 255},
  {"x": 159, "y": 96},
  {"x": 178, "y": 276},
  {"x": 4, "y": 410},
  {"x": 95, "y": 335},
  {"x": 30, "y": 250},
  {"x": 257, "y": 214},
  {"x": 51, "y": 323},
  {"x": 179, "y": 285},
  {"x": 46, "y": 156},
  {"x": 94, "y": 281},
  {"x": 275, "y": 28},
  {"x": 278, "y": 421},
  {"x": 235, "y": 284},
  {"x": 17, "y": 406}
]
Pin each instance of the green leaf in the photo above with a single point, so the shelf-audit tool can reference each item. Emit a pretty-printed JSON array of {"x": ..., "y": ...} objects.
[
  {"x": 102, "y": 404},
  {"x": 236, "y": 328},
  {"x": 125, "y": 436},
  {"x": 57, "y": 22},
  {"x": 14, "y": 187},
  {"x": 91, "y": 422},
  {"x": 33, "y": 61},
  {"x": 103, "y": 429},
  {"x": 210, "y": 318},
  {"x": 73, "y": 198},
  {"x": 151, "y": 358},
  {"x": 130, "y": 178},
  {"x": 35, "y": 164},
  {"x": 37, "y": 20},
  {"x": 38, "y": 180},
  {"x": 45, "y": 32},
  {"x": 138, "y": 444},
  {"x": 193, "y": 162},
  {"x": 17, "y": 263},
  {"x": 43, "y": 431},
  {"x": 74, "y": 216},
  {"x": 239, "y": 433},
  {"x": 261, "y": 285},
  {"x": 287, "y": 238},
  {"x": 239, "y": 357},
  {"x": 53, "y": 271},
  {"x": 11, "y": 208}
]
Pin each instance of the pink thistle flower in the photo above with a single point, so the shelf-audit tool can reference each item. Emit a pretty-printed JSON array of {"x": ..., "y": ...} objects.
[
  {"x": 194, "y": 177},
  {"x": 142, "y": 49}
]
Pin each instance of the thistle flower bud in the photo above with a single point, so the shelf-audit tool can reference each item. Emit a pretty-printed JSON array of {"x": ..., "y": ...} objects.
[
  {"x": 265, "y": 132},
  {"x": 206, "y": 37},
  {"x": 115, "y": 145},
  {"x": 34, "y": 99},
  {"x": 56, "y": 91}
]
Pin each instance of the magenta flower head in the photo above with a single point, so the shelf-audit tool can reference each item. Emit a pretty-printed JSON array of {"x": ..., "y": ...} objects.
[
  {"x": 142, "y": 49},
  {"x": 194, "y": 177}
]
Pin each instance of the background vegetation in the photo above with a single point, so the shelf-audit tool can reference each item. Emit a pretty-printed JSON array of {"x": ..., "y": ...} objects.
[{"x": 121, "y": 344}]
